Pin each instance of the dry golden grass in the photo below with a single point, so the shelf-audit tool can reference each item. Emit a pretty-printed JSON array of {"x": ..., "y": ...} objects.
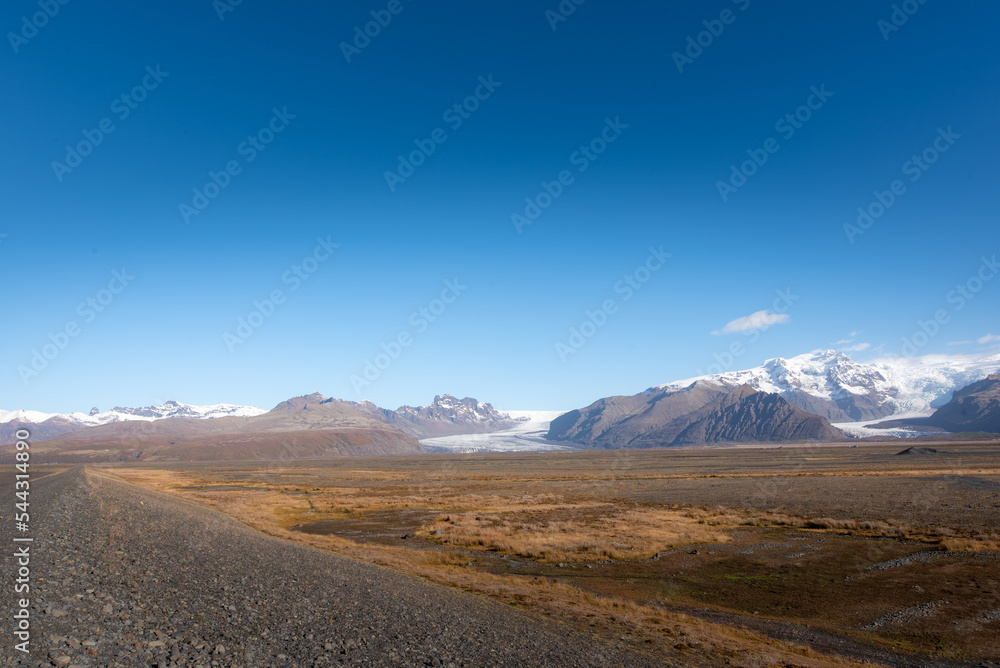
[
  {"x": 537, "y": 525},
  {"x": 573, "y": 533},
  {"x": 990, "y": 543}
]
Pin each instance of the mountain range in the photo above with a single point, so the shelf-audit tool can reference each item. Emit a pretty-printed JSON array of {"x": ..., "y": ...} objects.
[
  {"x": 831, "y": 384},
  {"x": 783, "y": 400},
  {"x": 44, "y": 426},
  {"x": 306, "y": 426},
  {"x": 447, "y": 415}
]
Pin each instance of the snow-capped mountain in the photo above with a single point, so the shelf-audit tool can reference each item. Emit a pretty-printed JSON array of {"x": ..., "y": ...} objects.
[
  {"x": 833, "y": 385},
  {"x": 117, "y": 414},
  {"x": 447, "y": 415},
  {"x": 49, "y": 425},
  {"x": 447, "y": 407}
]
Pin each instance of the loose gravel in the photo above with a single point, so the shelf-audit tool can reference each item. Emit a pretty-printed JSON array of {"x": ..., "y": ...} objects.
[{"x": 904, "y": 616}]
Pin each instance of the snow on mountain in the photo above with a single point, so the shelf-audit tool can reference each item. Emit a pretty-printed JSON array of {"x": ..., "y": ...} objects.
[
  {"x": 926, "y": 383},
  {"x": 147, "y": 413},
  {"x": 831, "y": 384},
  {"x": 456, "y": 410},
  {"x": 826, "y": 374},
  {"x": 29, "y": 416}
]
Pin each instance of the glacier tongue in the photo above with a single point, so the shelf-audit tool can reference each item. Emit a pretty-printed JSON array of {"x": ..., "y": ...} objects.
[{"x": 927, "y": 382}]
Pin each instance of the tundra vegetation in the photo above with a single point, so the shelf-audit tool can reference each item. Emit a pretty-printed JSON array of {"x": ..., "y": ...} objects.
[{"x": 793, "y": 556}]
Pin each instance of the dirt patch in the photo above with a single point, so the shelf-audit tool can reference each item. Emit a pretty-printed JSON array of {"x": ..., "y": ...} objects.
[{"x": 396, "y": 528}]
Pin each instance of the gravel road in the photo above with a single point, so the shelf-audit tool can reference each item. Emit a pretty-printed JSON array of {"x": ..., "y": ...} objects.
[{"x": 122, "y": 576}]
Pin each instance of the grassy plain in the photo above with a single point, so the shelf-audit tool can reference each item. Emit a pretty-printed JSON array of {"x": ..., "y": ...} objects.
[{"x": 790, "y": 556}]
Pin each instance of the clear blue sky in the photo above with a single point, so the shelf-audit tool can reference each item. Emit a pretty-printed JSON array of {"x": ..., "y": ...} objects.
[{"x": 324, "y": 176}]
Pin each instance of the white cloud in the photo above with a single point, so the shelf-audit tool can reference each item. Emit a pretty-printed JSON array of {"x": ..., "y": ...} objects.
[
  {"x": 989, "y": 338},
  {"x": 758, "y": 320},
  {"x": 850, "y": 339},
  {"x": 858, "y": 347}
]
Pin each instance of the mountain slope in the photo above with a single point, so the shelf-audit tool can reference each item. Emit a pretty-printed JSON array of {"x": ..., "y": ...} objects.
[
  {"x": 747, "y": 416},
  {"x": 51, "y": 427},
  {"x": 616, "y": 422},
  {"x": 975, "y": 407}
]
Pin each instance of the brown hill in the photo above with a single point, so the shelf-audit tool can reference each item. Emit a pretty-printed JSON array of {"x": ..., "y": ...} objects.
[{"x": 51, "y": 428}]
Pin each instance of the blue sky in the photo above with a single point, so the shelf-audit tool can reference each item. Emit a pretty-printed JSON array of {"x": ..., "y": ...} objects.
[{"x": 202, "y": 90}]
